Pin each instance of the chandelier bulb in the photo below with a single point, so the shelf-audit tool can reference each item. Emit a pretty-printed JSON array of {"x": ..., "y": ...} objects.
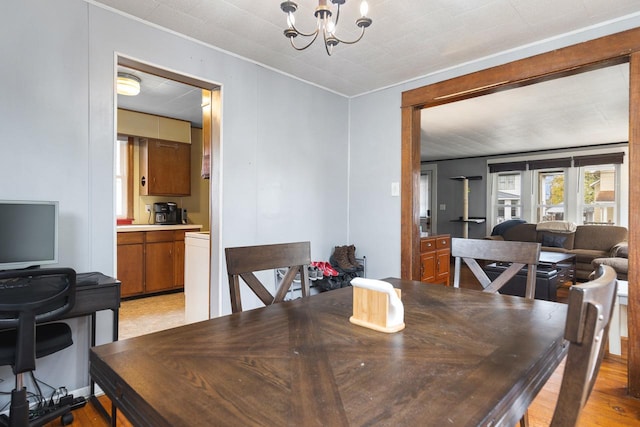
[
  {"x": 364, "y": 8},
  {"x": 331, "y": 27}
]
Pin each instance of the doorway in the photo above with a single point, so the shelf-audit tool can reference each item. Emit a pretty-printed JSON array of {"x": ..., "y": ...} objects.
[
  {"x": 428, "y": 213},
  {"x": 173, "y": 97}
]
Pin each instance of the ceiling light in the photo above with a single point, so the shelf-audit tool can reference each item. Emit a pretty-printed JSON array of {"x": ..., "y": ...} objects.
[
  {"x": 128, "y": 84},
  {"x": 325, "y": 24}
]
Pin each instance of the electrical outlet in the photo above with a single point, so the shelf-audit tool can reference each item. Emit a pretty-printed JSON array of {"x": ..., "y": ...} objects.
[{"x": 147, "y": 208}]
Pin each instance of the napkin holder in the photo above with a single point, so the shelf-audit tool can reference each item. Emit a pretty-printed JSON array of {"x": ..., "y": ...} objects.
[{"x": 377, "y": 305}]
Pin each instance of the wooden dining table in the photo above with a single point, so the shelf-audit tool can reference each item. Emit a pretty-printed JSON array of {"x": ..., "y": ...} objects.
[{"x": 465, "y": 358}]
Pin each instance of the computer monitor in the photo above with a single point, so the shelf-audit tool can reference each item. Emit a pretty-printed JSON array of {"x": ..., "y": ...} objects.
[{"x": 28, "y": 234}]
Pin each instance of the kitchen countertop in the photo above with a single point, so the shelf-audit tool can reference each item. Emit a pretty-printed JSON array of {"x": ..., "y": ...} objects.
[{"x": 154, "y": 227}]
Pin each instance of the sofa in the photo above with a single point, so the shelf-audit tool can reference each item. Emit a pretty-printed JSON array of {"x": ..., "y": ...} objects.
[
  {"x": 587, "y": 242},
  {"x": 618, "y": 259}
]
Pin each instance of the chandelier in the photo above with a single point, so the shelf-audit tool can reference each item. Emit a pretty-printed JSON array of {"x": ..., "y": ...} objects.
[{"x": 325, "y": 23}]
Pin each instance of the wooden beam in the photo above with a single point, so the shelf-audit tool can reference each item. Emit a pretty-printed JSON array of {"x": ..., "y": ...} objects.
[
  {"x": 633, "y": 308},
  {"x": 410, "y": 205}
]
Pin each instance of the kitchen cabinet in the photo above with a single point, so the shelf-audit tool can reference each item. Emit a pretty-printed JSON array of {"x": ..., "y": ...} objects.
[
  {"x": 151, "y": 261},
  {"x": 435, "y": 259},
  {"x": 159, "y": 261},
  {"x": 165, "y": 168},
  {"x": 134, "y": 123},
  {"x": 130, "y": 263}
]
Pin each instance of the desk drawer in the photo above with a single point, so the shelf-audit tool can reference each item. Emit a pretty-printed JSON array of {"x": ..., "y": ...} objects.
[{"x": 92, "y": 298}]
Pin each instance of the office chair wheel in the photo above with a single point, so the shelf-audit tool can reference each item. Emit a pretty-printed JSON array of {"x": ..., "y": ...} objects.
[{"x": 66, "y": 419}]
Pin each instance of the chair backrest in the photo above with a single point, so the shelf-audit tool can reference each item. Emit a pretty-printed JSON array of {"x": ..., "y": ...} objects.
[
  {"x": 33, "y": 296},
  {"x": 517, "y": 254},
  {"x": 242, "y": 262},
  {"x": 587, "y": 328}
]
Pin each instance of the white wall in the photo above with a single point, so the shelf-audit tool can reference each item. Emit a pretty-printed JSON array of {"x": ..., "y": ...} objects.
[
  {"x": 284, "y": 178},
  {"x": 375, "y": 146}
]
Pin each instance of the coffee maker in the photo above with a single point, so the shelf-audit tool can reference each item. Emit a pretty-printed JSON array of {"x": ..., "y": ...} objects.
[{"x": 166, "y": 213}]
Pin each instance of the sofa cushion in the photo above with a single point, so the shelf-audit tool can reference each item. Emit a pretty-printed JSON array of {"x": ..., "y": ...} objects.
[
  {"x": 599, "y": 237},
  {"x": 554, "y": 240},
  {"x": 587, "y": 255}
]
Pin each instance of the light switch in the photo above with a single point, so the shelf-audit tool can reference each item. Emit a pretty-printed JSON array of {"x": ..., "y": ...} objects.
[
  {"x": 443, "y": 207},
  {"x": 395, "y": 189}
]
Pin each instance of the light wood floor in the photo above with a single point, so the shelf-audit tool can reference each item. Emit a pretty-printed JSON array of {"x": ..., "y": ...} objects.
[
  {"x": 146, "y": 315},
  {"x": 609, "y": 404}
]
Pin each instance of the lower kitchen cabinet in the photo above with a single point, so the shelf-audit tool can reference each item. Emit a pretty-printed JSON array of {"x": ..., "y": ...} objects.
[
  {"x": 131, "y": 263},
  {"x": 151, "y": 261},
  {"x": 435, "y": 259}
]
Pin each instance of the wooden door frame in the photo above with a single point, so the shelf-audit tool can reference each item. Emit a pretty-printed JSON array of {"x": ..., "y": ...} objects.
[{"x": 604, "y": 51}]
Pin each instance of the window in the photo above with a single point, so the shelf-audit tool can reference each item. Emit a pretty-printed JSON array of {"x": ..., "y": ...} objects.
[
  {"x": 585, "y": 189},
  {"x": 124, "y": 183},
  {"x": 599, "y": 196},
  {"x": 551, "y": 196},
  {"x": 508, "y": 198}
]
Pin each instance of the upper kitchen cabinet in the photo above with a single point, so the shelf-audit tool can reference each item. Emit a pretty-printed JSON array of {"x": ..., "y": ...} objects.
[
  {"x": 165, "y": 168},
  {"x": 133, "y": 123}
]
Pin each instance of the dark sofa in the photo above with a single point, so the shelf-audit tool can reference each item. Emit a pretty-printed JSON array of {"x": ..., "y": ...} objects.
[{"x": 587, "y": 242}]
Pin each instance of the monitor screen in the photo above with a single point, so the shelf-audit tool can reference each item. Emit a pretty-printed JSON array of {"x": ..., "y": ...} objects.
[{"x": 28, "y": 234}]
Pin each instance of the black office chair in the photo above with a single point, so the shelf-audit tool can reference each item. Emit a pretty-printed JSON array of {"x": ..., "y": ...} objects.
[{"x": 28, "y": 298}]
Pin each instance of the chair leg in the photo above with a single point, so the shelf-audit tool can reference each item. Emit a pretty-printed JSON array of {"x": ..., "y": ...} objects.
[{"x": 19, "y": 409}]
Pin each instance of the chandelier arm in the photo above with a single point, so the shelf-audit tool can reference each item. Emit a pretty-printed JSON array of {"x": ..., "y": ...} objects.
[
  {"x": 337, "y": 15},
  {"x": 351, "y": 42},
  {"x": 315, "y": 36}
]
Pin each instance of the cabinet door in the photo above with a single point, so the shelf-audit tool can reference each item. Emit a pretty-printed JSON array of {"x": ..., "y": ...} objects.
[
  {"x": 159, "y": 266},
  {"x": 165, "y": 167},
  {"x": 130, "y": 269},
  {"x": 428, "y": 267},
  {"x": 443, "y": 266}
]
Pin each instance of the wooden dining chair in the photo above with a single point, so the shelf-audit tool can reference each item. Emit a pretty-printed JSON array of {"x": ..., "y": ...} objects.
[
  {"x": 586, "y": 330},
  {"x": 242, "y": 262},
  {"x": 516, "y": 254}
]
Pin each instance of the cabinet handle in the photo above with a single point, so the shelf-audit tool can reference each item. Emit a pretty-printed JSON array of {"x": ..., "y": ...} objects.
[{"x": 438, "y": 265}]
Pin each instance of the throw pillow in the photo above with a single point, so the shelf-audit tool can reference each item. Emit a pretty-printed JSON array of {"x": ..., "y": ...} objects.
[{"x": 552, "y": 241}]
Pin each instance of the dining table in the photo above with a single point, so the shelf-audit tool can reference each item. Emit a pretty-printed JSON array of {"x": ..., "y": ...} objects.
[{"x": 464, "y": 358}]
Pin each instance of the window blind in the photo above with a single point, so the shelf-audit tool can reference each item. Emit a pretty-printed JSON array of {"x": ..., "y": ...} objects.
[{"x": 599, "y": 159}]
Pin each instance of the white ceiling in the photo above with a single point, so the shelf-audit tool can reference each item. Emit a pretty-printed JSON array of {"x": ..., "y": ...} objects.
[
  {"x": 591, "y": 108},
  {"x": 407, "y": 40}
]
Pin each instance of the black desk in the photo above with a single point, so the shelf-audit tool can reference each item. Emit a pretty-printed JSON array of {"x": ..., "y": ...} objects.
[{"x": 96, "y": 292}]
